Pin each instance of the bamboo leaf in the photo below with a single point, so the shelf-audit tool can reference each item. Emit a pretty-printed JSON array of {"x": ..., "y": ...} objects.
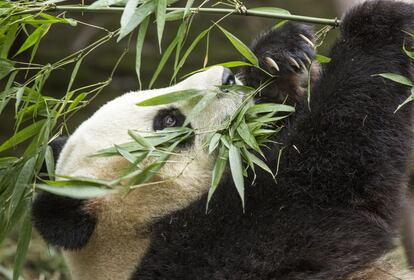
[
  {"x": 8, "y": 40},
  {"x": 236, "y": 167},
  {"x": 240, "y": 47},
  {"x": 188, "y": 7},
  {"x": 163, "y": 60},
  {"x": 160, "y": 16},
  {"x": 140, "y": 140},
  {"x": 140, "y": 43},
  {"x": 76, "y": 101},
  {"x": 258, "y": 162},
  {"x": 175, "y": 15},
  {"x": 34, "y": 38},
  {"x": 19, "y": 95},
  {"x": 218, "y": 171},
  {"x": 76, "y": 191},
  {"x": 269, "y": 108},
  {"x": 134, "y": 17},
  {"x": 409, "y": 99},
  {"x": 397, "y": 78},
  {"x": 214, "y": 142},
  {"x": 171, "y": 97},
  {"x": 74, "y": 73},
  {"x": 50, "y": 162},
  {"x": 25, "y": 234},
  {"x": 5, "y": 67},
  {"x": 105, "y": 3},
  {"x": 229, "y": 64},
  {"x": 189, "y": 50},
  {"x": 322, "y": 59},
  {"x": 248, "y": 138},
  {"x": 22, "y": 135},
  {"x": 271, "y": 10},
  {"x": 206, "y": 100}
]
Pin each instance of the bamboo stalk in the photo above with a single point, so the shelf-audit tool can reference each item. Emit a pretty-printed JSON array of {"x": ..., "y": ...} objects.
[{"x": 219, "y": 11}]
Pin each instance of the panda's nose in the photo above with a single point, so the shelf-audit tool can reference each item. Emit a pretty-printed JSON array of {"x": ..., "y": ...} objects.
[{"x": 228, "y": 77}]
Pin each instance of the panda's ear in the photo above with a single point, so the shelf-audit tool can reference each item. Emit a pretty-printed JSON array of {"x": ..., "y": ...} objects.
[
  {"x": 62, "y": 221},
  {"x": 57, "y": 145}
]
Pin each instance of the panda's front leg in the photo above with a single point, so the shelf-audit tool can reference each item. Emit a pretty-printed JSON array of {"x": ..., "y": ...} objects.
[{"x": 286, "y": 54}]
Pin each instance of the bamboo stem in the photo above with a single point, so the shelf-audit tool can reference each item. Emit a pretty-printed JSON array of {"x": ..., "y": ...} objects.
[{"x": 86, "y": 9}]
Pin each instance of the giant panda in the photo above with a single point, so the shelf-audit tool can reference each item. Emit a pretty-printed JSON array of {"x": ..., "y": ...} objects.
[{"x": 333, "y": 210}]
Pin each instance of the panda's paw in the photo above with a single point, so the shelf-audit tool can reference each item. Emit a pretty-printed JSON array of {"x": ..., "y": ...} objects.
[
  {"x": 287, "y": 53},
  {"x": 286, "y": 50}
]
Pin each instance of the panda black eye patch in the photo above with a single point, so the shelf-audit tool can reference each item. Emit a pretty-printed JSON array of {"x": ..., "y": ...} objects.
[{"x": 168, "y": 118}]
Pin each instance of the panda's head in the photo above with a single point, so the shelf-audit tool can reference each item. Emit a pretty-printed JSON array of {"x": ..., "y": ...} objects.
[{"x": 104, "y": 237}]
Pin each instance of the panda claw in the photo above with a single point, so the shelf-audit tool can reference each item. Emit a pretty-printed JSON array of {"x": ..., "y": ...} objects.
[
  {"x": 303, "y": 66},
  {"x": 272, "y": 63},
  {"x": 307, "y": 58},
  {"x": 293, "y": 62},
  {"x": 307, "y": 40}
]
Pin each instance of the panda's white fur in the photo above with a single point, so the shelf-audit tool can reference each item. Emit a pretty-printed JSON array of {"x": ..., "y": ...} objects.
[{"x": 120, "y": 237}]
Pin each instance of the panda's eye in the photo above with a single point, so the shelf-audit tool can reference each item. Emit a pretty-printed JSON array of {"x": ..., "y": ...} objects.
[
  {"x": 168, "y": 118},
  {"x": 228, "y": 78},
  {"x": 169, "y": 121}
]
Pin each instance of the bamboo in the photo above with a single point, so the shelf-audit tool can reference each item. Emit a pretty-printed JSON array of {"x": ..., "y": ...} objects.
[{"x": 219, "y": 11}]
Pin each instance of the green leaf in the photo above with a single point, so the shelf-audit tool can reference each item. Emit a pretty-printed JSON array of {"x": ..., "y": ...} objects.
[
  {"x": 160, "y": 16},
  {"x": 175, "y": 15},
  {"x": 409, "y": 99},
  {"x": 125, "y": 154},
  {"x": 258, "y": 162},
  {"x": 50, "y": 162},
  {"x": 279, "y": 24},
  {"x": 74, "y": 73},
  {"x": 140, "y": 43},
  {"x": 25, "y": 176},
  {"x": 163, "y": 60},
  {"x": 248, "y": 138},
  {"x": 105, "y": 3},
  {"x": 140, "y": 140},
  {"x": 409, "y": 53},
  {"x": 397, "y": 78},
  {"x": 269, "y": 108},
  {"x": 206, "y": 100},
  {"x": 34, "y": 38},
  {"x": 236, "y": 167},
  {"x": 218, "y": 171},
  {"x": 189, "y": 50},
  {"x": 271, "y": 10},
  {"x": 241, "y": 47},
  {"x": 5, "y": 67},
  {"x": 8, "y": 40},
  {"x": 188, "y": 7},
  {"x": 25, "y": 234},
  {"x": 171, "y": 97},
  {"x": 134, "y": 17},
  {"x": 214, "y": 142},
  {"x": 75, "y": 102},
  {"x": 19, "y": 95},
  {"x": 78, "y": 192},
  {"x": 322, "y": 59},
  {"x": 229, "y": 64},
  {"x": 22, "y": 135}
]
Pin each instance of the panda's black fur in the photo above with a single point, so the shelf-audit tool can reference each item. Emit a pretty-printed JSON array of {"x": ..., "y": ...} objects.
[{"x": 334, "y": 208}]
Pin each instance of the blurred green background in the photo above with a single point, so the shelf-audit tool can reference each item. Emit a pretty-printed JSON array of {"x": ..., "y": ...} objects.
[{"x": 62, "y": 40}]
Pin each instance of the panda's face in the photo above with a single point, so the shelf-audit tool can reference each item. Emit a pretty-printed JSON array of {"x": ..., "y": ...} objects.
[{"x": 122, "y": 231}]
